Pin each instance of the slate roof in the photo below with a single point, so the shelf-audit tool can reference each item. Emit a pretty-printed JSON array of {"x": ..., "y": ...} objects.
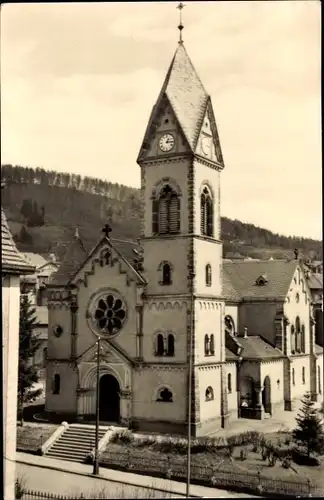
[
  {"x": 186, "y": 94},
  {"x": 318, "y": 349},
  {"x": 35, "y": 259},
  {"x": 254, "y": 347},
  {"x": 73, "y": 258},
  {"x": 315, "y": 281},
  {"x": 230, "y": 356},
  {"x": 239, "y": 278},
  {"x": 12, "y": 261}
]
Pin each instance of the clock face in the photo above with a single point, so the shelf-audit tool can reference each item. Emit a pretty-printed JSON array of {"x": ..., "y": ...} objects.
[
  {"x": 206, "y": 145},
  {"x": 166, "y": 143}
]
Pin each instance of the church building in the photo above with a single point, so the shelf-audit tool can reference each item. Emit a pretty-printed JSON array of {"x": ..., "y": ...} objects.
[{"x": 170, "y": 299}]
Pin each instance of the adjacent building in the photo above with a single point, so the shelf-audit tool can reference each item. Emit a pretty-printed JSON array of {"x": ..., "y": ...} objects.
[{"x": 13, "y": 265}]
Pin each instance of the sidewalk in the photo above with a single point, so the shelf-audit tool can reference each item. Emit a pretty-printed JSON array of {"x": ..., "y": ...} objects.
[{"x": 128, "y": 478}]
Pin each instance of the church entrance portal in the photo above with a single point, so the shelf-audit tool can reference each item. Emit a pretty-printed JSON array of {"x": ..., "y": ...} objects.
[{"x": 109, "y": 399}]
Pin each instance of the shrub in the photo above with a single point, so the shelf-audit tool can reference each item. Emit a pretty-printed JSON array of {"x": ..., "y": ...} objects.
[
  {"x": 229, "y": 450},
  {"x": 301, "y": 459},
  {"x": 272, "y": 459},
  {"x": 286, "y": 463},
  {"x": 124, "y": 436},
  {"x": 243, "y": 454},
  {"x": 309, "y": 433},
  {"x": 20, "y": 487}
]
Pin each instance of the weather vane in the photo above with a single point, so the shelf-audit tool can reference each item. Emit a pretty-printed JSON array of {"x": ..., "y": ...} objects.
[{"x": 180, "y": 27}]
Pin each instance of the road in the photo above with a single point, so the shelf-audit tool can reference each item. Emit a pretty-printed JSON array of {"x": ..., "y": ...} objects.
[{"x": 63, "y": 483}]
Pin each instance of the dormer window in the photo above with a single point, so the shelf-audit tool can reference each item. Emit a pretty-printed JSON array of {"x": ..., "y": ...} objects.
[{"x": 262, "y": 280}]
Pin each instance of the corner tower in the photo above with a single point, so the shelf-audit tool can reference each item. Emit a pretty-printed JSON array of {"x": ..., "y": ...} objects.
[{"x": 181, "y": 161}]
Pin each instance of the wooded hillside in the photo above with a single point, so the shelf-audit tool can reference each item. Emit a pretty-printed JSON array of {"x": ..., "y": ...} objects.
[{"x": 44, "y": 207}]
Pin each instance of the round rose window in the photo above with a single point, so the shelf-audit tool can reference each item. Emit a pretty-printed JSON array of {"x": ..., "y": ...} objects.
[{"x": 110, "y": 314}]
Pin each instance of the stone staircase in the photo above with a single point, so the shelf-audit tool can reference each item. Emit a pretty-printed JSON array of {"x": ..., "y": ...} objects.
[{"x": 76, "y": 442}]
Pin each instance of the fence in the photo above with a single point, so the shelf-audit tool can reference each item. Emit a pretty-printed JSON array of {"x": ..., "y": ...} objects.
[
  {"x": 38, "y": 495},
  {"x": 212, "y": 476}
]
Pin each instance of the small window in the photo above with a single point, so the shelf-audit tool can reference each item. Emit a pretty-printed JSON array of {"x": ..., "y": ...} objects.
[
  {"x": 104, "y": 258},
  {"x": 56, "y": 384},
  {"x": 208, "y": 275},
  {"x": 159, "y": 345},
  {"x": 165, "y": 396},
  {"x": 303, "y": 375},
  {"x": 170, "y": 345},
  {"x": 207, "y": 345},
  {"x": 206, "y": 213},
  {"x": 297, "y": 297},
  {"x": 229, "y": 383},
  {"x": 209, "y": 394},
  {"x": 166, "y": 274},
  {"x": 292, "y": 339},
  {"x": 212, "y": 344},
  {"x": 293, "y": 376}
]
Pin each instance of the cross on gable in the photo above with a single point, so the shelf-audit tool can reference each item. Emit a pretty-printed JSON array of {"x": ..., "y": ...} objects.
[{"x": 106, "y": 230}]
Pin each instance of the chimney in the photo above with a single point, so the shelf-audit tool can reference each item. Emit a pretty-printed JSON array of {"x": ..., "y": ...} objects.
[
  {"x": 296, "y": 252},
  {"x": 245, "y": 332}
]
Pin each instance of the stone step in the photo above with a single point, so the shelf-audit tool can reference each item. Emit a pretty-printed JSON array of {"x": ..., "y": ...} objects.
[
  {"x": 71, "y": 446},
  {"x": 82, "y": 437}
]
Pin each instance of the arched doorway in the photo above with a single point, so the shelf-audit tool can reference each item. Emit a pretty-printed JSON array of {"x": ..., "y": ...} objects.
[
  {"x": 109, "y": 399},
  {"x": 266, "y": 395}
]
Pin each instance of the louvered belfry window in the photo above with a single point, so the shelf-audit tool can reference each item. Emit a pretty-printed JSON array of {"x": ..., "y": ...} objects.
[
  {"x": 206, "y": 213},
  {"x": 166, "y": 212}
]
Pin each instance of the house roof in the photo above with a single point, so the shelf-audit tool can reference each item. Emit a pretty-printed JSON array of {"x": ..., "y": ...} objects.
[
  {"x": 315, "y": 281},
  {"x": 12, "y": 261},
  {"x": 230, "y": 356},
  {"x": 73, "y": 258},
  {"x": 35, "y": 259},
  {"x": 318, "y": 349},
  {"x": 239, "y": 278},
  {"x": 254, "y": 347}
]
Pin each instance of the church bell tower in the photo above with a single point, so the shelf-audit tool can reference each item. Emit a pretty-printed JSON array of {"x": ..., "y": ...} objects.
[{"x": 181, "y": 161}]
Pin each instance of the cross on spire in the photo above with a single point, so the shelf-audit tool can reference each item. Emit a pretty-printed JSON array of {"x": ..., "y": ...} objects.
[
  {"x": 180, "y": 27},
  {"x": 106, "y": 230}
]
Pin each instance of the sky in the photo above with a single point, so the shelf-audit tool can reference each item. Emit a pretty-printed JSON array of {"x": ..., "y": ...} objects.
[{"x": 78, "y": 82}]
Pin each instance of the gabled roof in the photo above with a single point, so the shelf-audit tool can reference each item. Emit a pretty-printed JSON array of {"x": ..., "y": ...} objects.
[
  {"x": 315, "y": 281},
  {"x": 124, "y": 250},
  {"x": 186, "y": 95},
  {"x": 254, "y": 347},
  {"x": 12, "y": 261},
  {"x": 239, "y": 278},
  {"x": 74, "y": 256}
]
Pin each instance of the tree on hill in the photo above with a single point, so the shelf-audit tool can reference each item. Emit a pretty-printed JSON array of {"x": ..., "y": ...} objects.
[
  {"x": 28, "y": 345},
  {"x": 309, "y": 433}
]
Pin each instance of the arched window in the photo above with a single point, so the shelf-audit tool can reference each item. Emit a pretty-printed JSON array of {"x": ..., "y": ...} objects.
[
  {"x": 170, "y": 345},
  {"x": 303, "y": 343},
  {"x": 56, "y": 384},
  {"x": 206, "y": 213},
  {"x": 104, "y": 258},
  {"x": 212, "y": 344},
  {"x": 229, "y": 383},
  {"x": 292, "y": 339},
  {"x": 208, "y": 275},
  {"x": 303, "y": 375},
  {"x": 229, "y": 325},
  {"x": 293, "y": 376},
  {"x": 207, "y": 345},
  {"x": 166, "y": 212},
  {"x": 209, "y": 394},
  {"x": 165, "y": 396},
  {"x": 166, "y": 274},
  {"x": 159, "y": 345},
  {"x": 297, "y": 335},
  {"x": 319, "y": 380}
]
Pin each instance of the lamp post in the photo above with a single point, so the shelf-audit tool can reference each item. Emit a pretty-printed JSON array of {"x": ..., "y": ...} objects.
[
  {"x": 190, "y": 384},
  {"x": 96, "y": 457}
]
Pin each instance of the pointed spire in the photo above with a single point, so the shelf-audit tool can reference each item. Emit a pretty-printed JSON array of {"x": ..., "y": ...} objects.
[
  {"x": 180, "y": 27},
  {"x": 74, "y": 256}
]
